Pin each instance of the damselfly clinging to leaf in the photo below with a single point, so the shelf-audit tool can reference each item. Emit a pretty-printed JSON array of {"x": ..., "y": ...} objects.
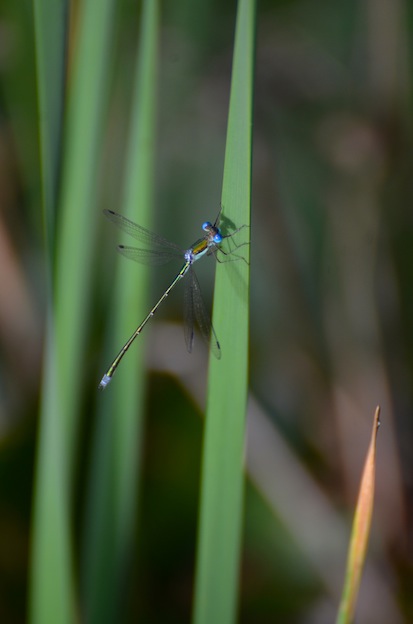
[{"x": 161, "y": 251}]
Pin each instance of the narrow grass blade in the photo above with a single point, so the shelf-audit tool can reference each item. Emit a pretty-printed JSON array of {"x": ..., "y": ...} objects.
[
  {"x": 50, "y": 546},
  {"x": 360, "y": 532},
  {"x": 219, "y": 544},
  {"x": 111, "y": 510},
  {"x": 52, "y": 592},
  {"x": 50, "y": 21}
]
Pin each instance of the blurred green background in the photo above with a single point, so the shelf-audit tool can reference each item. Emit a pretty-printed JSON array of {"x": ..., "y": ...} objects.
[{"x": 331, "y": 302}]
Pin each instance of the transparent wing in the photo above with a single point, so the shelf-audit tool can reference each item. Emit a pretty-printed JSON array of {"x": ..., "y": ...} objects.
[
  {"x": 195, "y": 308},
  {"x": 140, "y": 233},
  {"x": 151, "y": 257}
]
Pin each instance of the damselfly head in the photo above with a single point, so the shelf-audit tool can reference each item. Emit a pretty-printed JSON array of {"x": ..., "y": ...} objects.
[{"x": 214, "y": 233}]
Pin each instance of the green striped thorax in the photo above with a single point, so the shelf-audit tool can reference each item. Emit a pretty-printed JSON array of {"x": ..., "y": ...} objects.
[{"x": 204, "y": 245}]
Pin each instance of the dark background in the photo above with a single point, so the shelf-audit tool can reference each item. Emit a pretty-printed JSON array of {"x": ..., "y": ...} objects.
[{"x": 331, "y": 297}]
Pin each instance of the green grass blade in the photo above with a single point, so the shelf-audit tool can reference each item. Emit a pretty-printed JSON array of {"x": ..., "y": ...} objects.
[
  {"x": 111, "y": 510},
  {"x": 222, "y": 470},
  {"x": 51, "y": 587},
  {"x": 50, "y": 45},
  {"x": 50, "y": 22},
  {"x": 79, "y": 210}
]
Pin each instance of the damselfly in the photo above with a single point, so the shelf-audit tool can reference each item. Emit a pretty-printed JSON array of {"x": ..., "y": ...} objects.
[{"x": 162, "y": 251}]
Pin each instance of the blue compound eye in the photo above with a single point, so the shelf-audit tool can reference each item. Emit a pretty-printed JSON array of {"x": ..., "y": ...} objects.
[
  {"x": 217, "y": 238},
  {"x": 206, "y": 226}
]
